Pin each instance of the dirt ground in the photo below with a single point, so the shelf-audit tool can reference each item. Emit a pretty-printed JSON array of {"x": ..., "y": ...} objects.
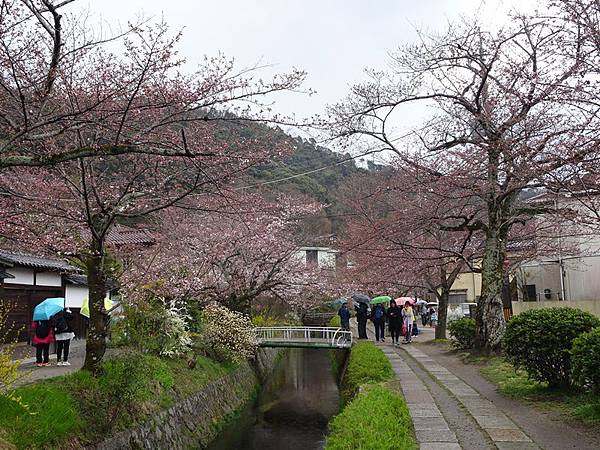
[{"x": 548, "y": 429}]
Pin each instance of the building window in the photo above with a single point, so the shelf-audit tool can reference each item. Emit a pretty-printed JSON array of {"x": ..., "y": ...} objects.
[
  {"x": 312, "y": 257},
  {"x": 530, "y": 293},
  {"x": 456, "y": 297}
]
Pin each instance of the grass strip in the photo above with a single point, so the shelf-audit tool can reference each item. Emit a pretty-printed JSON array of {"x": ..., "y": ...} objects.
[
  {"x": 377, "y": 419},
  {"x": 580, "y": 405},
  {"x": 368, "y": 364}
]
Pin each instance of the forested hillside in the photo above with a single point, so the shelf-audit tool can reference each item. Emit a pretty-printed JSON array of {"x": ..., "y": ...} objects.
[{"x": 323, "y": 172}]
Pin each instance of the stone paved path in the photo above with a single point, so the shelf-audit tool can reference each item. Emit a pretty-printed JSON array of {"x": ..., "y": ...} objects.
[
  {"x": 503, "y": 432},
  {"x": 432, "y": 429}
]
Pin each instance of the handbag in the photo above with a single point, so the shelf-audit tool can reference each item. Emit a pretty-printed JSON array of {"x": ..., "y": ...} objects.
[{"x": 403, "y": 330}]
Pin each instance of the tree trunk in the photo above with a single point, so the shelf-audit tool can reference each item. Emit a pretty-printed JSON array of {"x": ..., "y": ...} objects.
[
  {"x": 490, "y": 323},
  {"x": 96, "y": 337},
  {"x": 440, "y": 329}
]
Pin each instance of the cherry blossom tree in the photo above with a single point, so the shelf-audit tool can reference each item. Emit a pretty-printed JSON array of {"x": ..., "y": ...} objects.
[
  {"x": 120, "y": 135},
  {"x": 233, "y": 256},
  {"x": 395, "y": 240},
  {"x": 508, "y": 116},
  {"x": 67, "y": 93}
]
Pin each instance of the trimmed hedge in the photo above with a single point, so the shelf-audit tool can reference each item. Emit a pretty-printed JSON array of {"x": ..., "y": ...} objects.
[
  {"x": 368, "y": 364},
  {"x": 585, "y": 359},
  {"x": 377, "y": 419},
  {"x": 462, "y": 332},
  {"x": 539, "y": 341}
]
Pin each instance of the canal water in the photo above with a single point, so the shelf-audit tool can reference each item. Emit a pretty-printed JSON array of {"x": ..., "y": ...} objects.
[{"x": 291, "y": 411}]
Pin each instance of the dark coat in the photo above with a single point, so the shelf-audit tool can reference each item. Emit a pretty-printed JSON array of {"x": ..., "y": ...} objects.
[
  {"x": 344, "y": 314},
  {"x": 58, "y": 317},
  {"x": 374, "y": 312},
  {"x": 361, "y": 311},
  {"x": 394, "y": 314}
]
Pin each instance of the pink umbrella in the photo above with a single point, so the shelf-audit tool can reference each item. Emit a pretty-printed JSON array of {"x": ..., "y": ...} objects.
[{"x": 400, "y": 301}]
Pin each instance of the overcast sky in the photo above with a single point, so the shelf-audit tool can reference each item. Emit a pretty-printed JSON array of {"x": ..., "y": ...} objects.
[{"x": 333, "y": 40}]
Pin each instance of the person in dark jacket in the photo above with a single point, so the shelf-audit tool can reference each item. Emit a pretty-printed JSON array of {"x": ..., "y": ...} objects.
[
  {"x": 394, "y": 314},
  {"x": 63, "y": 333},
  {"x": 379, "y": 321},
  {"x": 361, "y": 318},
  {"x": 42, "y": 338},
  {"x": 344, "y": 314}
]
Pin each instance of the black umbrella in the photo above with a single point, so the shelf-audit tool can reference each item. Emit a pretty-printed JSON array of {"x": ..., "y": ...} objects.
[{"x": 361, "y": 298}]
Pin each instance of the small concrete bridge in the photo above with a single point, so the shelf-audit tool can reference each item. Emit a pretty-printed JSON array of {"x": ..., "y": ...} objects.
[{"x": 304, "y": 337}]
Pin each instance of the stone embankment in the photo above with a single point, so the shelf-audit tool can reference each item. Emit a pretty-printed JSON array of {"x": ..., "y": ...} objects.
[{"x": 196, "y": 421}]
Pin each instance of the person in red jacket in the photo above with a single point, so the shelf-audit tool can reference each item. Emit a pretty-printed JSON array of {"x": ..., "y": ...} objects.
[{"x": 42, "y": 338}]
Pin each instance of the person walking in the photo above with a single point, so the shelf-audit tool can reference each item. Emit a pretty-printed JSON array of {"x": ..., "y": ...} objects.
[
  {"x": 361, "y": 318},
  {"x": 63, "y": 333},
  {"x": 344, "y": 314},
  {"x": 42, "y": 338},
  {"x": 379, "y": 321},
  {"x": 394, "y": 314},
  {"x": 424, "y": 316},
  {"x": 430, "y": 314},
  {"x": 408, "y": 318}
]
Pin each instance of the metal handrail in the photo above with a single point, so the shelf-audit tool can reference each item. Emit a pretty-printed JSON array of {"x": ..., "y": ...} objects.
[{"x": 336, "y": 337}]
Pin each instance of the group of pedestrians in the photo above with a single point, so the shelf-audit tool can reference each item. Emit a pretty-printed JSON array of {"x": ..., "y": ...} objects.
[
  {"x": 400, "y": 320},
  {"x": 58, "y": 329}
]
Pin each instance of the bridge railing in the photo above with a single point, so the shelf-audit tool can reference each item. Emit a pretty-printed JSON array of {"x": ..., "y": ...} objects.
[{"x": 334, "y": 337}]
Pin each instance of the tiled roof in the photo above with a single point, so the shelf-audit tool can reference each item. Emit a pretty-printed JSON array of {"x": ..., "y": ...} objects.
[
  {"x": 123, "y": 235},
  {"x": 37, "y": 262},
  {"x": 81, "y": 280},
  {"x": 73, "y": 278}
]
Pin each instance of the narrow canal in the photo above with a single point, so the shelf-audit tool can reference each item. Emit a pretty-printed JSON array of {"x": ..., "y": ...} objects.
[{"x": 291, "y": 411}]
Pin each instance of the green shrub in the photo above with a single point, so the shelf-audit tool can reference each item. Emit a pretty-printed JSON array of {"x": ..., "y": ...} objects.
[
  {"x": 121, "y": 395},
  {"x": 377, "y": 419},
  {"x": 335, "y": 321},
  {"x": 368, "y": 364},
  {"x": 154, "y": 326},
  {"x": 539, "y": 341},
  {"x": 462, "y": 332},
  {"x": 585, "y": 359},
  {"x": 261, "y": 320}
]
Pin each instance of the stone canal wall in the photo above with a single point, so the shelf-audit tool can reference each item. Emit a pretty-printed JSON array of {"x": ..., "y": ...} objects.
[{"x": 196, "y": 421}]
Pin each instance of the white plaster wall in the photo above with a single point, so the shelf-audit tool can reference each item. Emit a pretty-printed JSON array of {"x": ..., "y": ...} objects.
[
  {"x": 301, "y": 255},
  {"x": 21, "y": 276},
  {"x": 48, "y": 279},
  {"x": 74, "y": 295},
  {"x": 326, "y": 259},
  {"x": 582, "y": 280}
]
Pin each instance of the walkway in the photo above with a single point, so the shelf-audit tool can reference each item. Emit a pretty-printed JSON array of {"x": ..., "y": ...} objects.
[
  {"x": 32, "y": 373},
  {"x": 448, "y": 413}
]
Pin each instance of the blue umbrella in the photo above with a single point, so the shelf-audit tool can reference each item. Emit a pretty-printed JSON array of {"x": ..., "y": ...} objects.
[
  {"x": 48, "y": 308},
  {"x": 340, "y": 301}
]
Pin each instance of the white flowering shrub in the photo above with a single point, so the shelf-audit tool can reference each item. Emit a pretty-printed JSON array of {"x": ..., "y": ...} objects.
[
  {"x": 177, "y": 339},
  {"x": 454, "y": 314},
  {"x": 154, "y": 325},
  {"x": 227, "y": 334}
]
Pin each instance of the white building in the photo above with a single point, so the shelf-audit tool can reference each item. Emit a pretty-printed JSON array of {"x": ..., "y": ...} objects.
[{"x": 322, "y": 257}]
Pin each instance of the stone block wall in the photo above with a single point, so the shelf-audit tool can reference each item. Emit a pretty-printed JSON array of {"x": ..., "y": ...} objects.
[{"x": 196, "y": 421}]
